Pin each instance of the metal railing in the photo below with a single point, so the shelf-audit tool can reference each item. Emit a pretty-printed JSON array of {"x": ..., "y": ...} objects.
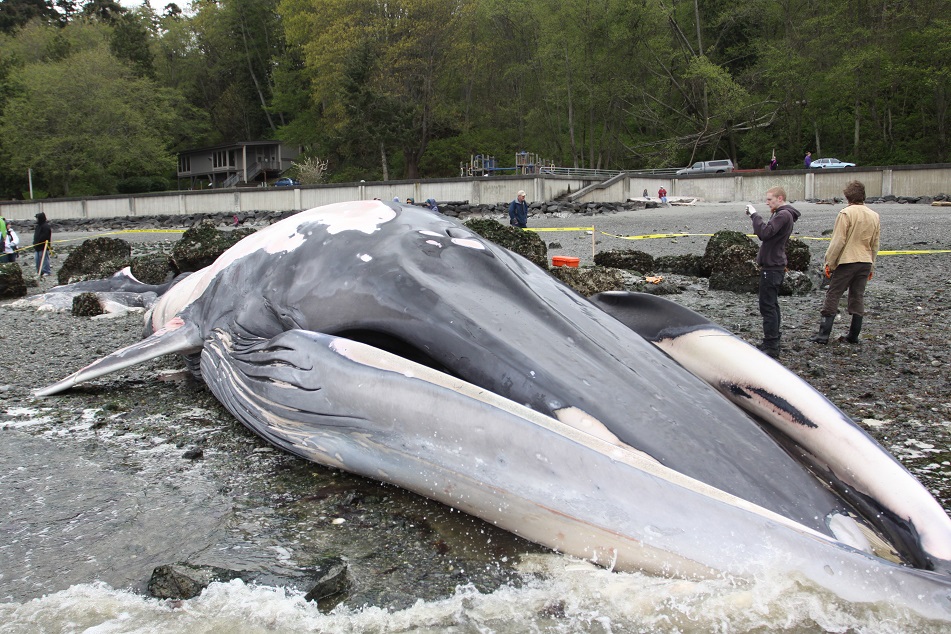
[
  {"x": 253, "y": 170},
  {"x": 579, "y": 172},
  {"x": 583, "y": 172}
]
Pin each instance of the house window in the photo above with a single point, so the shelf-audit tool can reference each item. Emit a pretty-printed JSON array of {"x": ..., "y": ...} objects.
[
  {"x": 184, "y": 163},
  {"x": 220, "y": 159}
]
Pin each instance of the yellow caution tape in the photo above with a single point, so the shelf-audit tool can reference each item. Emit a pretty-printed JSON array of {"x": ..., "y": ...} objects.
[
  {"x": 105, "y": 233},
  {"x": 109, "y": 233},
  {"x": 921, "y": 252},
  {"x": 655, "y": 236},
  {"x": 540, "y": 229}
]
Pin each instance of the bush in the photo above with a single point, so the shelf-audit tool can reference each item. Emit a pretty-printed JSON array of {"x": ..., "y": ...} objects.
[
  {"x": 141, "y": 184},
  {"x": 134, "y": 185}
]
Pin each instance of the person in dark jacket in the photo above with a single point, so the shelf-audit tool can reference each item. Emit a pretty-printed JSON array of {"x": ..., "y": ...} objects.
[
  {"x": 42, "y": 242},
  {"x": 518, "y": 211},
  {"x": 771, "y": 259}
]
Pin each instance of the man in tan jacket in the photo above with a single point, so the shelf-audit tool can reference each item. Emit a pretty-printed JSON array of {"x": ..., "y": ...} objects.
[{"x": 849, "y": 263}]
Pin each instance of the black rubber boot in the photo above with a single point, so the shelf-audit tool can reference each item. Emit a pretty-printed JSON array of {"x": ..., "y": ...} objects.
[
  {"x": 825, "y": 329},
  {"x": 854, "y": 329}
]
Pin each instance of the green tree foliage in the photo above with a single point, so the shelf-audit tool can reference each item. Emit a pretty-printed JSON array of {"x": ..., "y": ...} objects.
[
  {"x": 130, "y": 42},
  {"x": 226, "y": 60},
  {"x": 86, "y": 121},
  {"x": 17, "y": 13},
  {"x": 103, "y": 10},
  {"x": 377, "y": 72},
  {"x": 413, "y": 88}
]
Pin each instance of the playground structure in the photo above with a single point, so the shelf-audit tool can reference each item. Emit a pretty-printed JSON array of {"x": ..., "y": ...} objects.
[{"x": 526, "y": 163}]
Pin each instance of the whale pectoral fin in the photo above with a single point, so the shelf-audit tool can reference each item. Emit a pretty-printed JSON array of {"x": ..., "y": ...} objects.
[
  {"x": 277, "y": 387},
  {"x": 648, "y": 315},
  {"x": 177, "y": 336}
]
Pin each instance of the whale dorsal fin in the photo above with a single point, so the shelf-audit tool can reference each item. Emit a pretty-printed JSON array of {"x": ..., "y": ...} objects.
[{"x": 176, "y": 336}]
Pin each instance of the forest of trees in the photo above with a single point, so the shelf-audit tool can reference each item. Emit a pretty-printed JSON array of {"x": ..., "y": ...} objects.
[{"x": 94, "y": 95}]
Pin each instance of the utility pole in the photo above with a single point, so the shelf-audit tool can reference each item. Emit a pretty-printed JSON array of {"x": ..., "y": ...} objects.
[{"x": 29, "y": 176}]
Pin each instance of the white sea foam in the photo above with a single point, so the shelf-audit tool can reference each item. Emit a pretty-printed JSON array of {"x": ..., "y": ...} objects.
[{"x": 559, "y": 595}]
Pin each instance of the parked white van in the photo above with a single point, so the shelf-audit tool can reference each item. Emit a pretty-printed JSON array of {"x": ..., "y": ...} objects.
[{"x": 708, "y": 167}]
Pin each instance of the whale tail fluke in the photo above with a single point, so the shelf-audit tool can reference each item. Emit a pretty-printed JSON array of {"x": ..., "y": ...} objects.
[{"x": 177, "y": 336}]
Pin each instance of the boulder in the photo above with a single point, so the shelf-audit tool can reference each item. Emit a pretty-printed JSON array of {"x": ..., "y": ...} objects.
[
  {"x": 796, "y": 283},
  {"x": 11, "y": 281},
  {"x": 156, "y": 268},
  {"x": 525, "y": 243},
  {"x": 326, "y": 582},
  {"x": 87, "y": 305},
  {"x": 735, "y": 270},
  {"x": 185, "y": 581},
  {"x": 589, "y": 281},
  {"x": 719, "y": 243},
  {"x": 628, "y": 259},
  {"x": 797, "y": 255},
  {"x": 662, "y": 287},
  {"x": 95, "y": 259},
  {"x": 690, "y": 265},
  {"x": 202, "y": 244},
  {"x": 331, "y": 578}
]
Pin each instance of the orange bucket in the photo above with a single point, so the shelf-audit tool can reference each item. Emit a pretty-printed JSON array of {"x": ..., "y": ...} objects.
[{"x": 563, "y": 260}]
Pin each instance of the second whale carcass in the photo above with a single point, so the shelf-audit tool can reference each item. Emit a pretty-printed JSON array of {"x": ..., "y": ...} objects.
[{"x": 397, "y": 344}]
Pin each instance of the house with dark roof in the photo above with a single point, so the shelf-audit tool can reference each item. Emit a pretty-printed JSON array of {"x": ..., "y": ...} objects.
[{"x": 237, "y": 164}]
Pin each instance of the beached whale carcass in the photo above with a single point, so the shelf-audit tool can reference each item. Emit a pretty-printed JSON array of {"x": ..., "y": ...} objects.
[{"x": 395, "y": 343}]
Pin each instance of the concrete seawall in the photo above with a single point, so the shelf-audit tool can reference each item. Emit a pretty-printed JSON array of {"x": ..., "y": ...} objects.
[{"x": 900, "y": 181}]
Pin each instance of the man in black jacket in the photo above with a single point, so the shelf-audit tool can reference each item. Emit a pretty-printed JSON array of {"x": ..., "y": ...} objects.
[
  {"x": 771, "y": 259},
  {"x": 42, "y": 239}
]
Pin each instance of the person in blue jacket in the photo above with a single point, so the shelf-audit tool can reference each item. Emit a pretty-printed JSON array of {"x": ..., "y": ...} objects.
[{"x": 518, "y": 211}]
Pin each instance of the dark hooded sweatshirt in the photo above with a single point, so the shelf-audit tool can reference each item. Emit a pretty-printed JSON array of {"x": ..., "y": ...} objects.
[
  {"x": 42, "y": 234},
  {"x": 774, "y": 233}
]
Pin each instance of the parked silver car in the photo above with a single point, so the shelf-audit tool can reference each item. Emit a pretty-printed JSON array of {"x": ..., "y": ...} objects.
[
  {"x": 829, "y": 163},
  {"x": 708, "y": 167}
]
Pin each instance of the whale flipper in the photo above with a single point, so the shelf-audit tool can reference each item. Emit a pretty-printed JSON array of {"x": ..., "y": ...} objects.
[{"x": 177, "y": 336}]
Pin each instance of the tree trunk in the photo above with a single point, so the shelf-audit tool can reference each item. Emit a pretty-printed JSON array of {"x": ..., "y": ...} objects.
[
  {"x": 254, "y": 78},
  {"x": 855, "y": 140},
  {"x": 592, "y": 137},
  {"x": 386, "y": 168},
  {"x": 696, "y": 15},
  {"x": 571, "y": 112},
  {"x": 412, "y": 164}
]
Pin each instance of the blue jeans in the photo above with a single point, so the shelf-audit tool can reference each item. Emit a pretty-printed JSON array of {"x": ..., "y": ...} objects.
[
  {"x": 45, "y": 255},
  {"x": 769, "y": 283}
]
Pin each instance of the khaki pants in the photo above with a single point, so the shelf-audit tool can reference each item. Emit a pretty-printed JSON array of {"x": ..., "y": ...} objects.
[{"x": 851, "y": 277}]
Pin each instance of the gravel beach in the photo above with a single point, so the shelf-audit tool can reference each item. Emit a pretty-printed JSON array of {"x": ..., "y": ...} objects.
[{"x": 895, "y": 382}]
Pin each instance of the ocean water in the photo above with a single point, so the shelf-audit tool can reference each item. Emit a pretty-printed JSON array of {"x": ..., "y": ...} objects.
[
  {"x": 87, "y": 510},
  {"x": 561, "y": 595}
]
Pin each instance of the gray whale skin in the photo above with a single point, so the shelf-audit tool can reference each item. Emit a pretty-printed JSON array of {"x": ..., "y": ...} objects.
[{"x": 395, "y": 343}]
